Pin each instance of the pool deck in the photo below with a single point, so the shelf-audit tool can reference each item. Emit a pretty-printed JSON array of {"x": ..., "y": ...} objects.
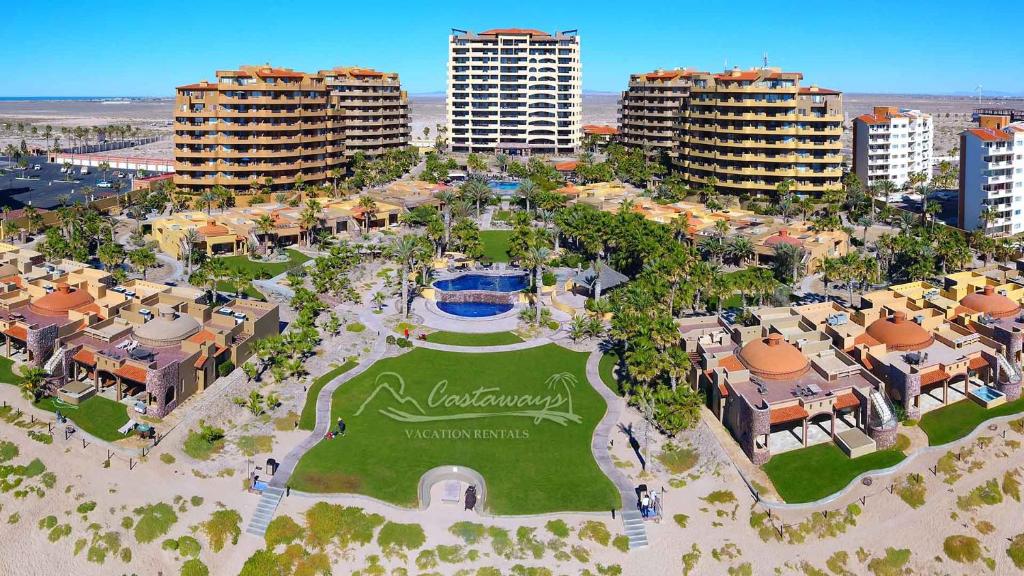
[{"x": 438, "y": 320}]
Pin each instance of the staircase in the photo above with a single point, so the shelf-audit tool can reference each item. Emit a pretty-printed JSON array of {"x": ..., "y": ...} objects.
[
  {"x": 54, "y": 360},
  {"x": 265, "y": 509},
  {"x": 1007, "y": 371},
  {"x": 633, "y": 525},
  {"x": 881, "y": 407}
]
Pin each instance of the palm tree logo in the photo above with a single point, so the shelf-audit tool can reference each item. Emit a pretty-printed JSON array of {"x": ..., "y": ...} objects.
[{"x": 567, "y": 381}]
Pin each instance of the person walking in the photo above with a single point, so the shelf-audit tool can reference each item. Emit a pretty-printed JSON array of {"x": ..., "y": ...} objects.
[
  {"x": 341, "y": 427},
  {"x": 645, "y": 506}
]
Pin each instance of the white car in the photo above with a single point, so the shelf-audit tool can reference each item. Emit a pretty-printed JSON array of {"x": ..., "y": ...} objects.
[{"x": 104, "y": 184}]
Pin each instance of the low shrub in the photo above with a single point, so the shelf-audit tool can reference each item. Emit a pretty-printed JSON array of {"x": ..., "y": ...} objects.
[{"x": 225, "y": 368}]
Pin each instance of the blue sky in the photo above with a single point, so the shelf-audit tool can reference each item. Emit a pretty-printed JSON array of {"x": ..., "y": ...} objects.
[{"x": 145, "y": 48}]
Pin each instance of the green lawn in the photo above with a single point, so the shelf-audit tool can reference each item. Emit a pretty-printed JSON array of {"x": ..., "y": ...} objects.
[
  {"x": 495, "y": 244},
  {"x": 97, "y": 415},
  {"x": 7, "y": 374},
  {"x": 249, "y": 290},
  {"x": 606, "y": 368},
  {"x": 957, "y": 420},
  {"x": 272, "y": 268},
  {"x": 813, "y": 473},
  {"x": 468, "y": 339},
  {"x": 307, "y": 421},
  {"x": 531, "y": 466}
]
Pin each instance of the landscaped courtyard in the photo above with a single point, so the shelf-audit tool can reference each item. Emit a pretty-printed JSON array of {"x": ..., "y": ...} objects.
[
  {"x": 949, "y": 423},
  {"x": 523, "y": 419},
  {"x": 97, "y": 415},
  {"x": 496, "y": 244},
  {"x": 812, "y": 473}
]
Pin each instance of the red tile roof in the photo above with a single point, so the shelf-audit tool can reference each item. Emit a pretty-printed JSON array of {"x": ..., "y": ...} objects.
[
  {"x": 989, "y": 135},
  {"x": 201, "y": 361},
  {"x": 788, "y": 414},
  {"x": 201, "y": 337},
  {"x": 132, "y": 372},
  {"x": 17, "y": 332},
  {"x": 865, "y": 339},
  {"x": 933, "y": 377},
  {"x": 846, "y": 400},
  {"x": 201, "y": 86},
  {"x": 600, "y": 130},
  {"x": 816, "y": 90},
  {"x": 85, "y": 357},
  {"x": 566, "y": 166},
  {"x": 976, "y": 363},
  {"x": 730, "y": 363},
  {"x": 722, "y": 390},
  {"x": 507, "y": 31},
  {"x": 278, "y": 73}
]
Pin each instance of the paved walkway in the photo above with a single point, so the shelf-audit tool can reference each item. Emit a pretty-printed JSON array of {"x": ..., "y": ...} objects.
[
  {"x": 542, "y": 341},
  {"x": 599, "y": 444}
]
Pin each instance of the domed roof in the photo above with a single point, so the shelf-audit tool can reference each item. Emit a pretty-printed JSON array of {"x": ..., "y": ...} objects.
[
  {"x": 773, "y": 358},
  {"x": 61, "y": 300},
  {"x": 168, "y": 328},
  {"x": 898, "y": 333},
  {"x": 990, "y": 302},
  {"x": 783, "y": 237},
  {"x": 212, "y": 230}
]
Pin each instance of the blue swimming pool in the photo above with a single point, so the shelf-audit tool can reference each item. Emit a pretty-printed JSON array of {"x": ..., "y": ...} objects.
[
  {"x": 987, "y": 394},
  {"x": 492, "y": 283},
  {"x": 503, "y": 185},
  {"x": 473, "y": 309}
]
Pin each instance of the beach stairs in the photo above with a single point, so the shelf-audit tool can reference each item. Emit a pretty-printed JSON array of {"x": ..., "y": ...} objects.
[
  {"x": 1007, "y": 372},
  {"x": 634, "y": 528},
  {"x": 265, "y": 509}
]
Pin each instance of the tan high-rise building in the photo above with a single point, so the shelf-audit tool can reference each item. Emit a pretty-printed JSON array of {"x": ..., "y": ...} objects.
[
  {"x": 650, "y": 110},
  {"x": 750, "y": 130},
  {"x": 260, "y": 125},
  {"x": 514, "y": 90}
]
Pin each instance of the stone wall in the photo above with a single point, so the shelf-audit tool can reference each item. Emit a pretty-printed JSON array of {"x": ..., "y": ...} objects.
[
  {"x": 484, "y": 296},
  {"x": 158, "y": 381},
  {"x": 908, "y": 386},
  {"x": 40, "y": 343}
]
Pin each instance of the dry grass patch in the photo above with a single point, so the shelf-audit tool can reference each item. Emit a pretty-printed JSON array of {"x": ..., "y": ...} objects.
[{"x": 963, "y": 549}]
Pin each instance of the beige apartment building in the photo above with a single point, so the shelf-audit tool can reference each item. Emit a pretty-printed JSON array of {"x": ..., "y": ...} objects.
[
  {"x": 746, "y": 130},
  {"x": 513, "y": 90},
  {"x": 262, "y": 125}
]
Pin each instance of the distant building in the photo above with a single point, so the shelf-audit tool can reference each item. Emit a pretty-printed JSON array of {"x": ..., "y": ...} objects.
[
  {"x": 516, "y": 91},
  {"x": 745, "y": 130},
  {"x": 891, "y": 144},
  {"x": 260, "y": 125},
  {"x": 600, "y": 133},
  {"x": 992, "y": 177}
]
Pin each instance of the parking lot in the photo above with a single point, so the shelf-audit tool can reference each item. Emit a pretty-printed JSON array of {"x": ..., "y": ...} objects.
[{"x": 43, "y": 188}]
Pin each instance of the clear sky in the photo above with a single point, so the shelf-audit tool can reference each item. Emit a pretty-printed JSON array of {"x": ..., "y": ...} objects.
[{"x": 146, "y": 47}]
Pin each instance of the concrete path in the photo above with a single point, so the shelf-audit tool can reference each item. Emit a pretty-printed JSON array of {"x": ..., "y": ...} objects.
[
  {"x": 633, "y": 524},
  {"x": 460, "y": 473},
  {"x": 543, "y": 341}
]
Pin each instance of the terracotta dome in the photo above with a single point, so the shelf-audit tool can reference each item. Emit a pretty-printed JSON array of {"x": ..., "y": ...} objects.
[
  {"x": 783, "y": 237},
  {"x": 898, "y": 333},
  {"x": 773, "y": 358},
  {"x": 61, "y": 300},
  {"x": 168, "y": 328},
  {"x": 988, "y": 301},
  {"x": 212, "y": 230}
]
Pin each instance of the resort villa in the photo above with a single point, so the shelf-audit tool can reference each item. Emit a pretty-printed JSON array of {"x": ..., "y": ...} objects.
[
  {"x": 234, "y": 230},
  {"x": 155, "y": 343},
  {"x": 764, "y": 232},
  {"x": 780, "y": 384}
]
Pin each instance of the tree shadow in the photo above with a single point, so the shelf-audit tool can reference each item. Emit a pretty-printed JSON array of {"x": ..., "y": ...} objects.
[{"x": 627, "y": 429}]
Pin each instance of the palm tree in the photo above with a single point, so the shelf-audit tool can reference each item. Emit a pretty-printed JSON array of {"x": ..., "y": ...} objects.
[
  {"x": 142, "y": 258},
  {"x": 265, "y": 226},
  {"x": 403, "y": 250},
  {"x": 188, "y": 244},
  {"x": 369, "y": 211},
  {"x": 527, "y": 191},
  {"x": 534, "y": 259},
  {"x": 476, "y": 190},
  {"x": 446, "y": 197},
  {"x": 32, "y": 379},
  {"x": 310, "y": 219},
  {"x": 208, "y": 197},
  {"x": 830, "y": 270},
  {"x": 740, "y": 248}
]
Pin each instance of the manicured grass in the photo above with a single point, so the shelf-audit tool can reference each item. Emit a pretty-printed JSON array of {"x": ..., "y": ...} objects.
[
  {"x": 7, "y": 374},
  {"x": 813, "y": 473},
  {"x": 307, "y": 421},
  {"x": 495, "y": 244},
  {"x": 468, "y": 339},
  {"x": 530, "y": 466},
  {"x": 97, "y": 415},
  {"x": 949, "y": 423},
  {"x": 249, "y": 290},
  {"x": 272, "y": 268},
  {"x": 606, "y": 369}
]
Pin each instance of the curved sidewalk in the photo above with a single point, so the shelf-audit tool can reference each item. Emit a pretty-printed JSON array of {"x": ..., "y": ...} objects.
[
  {"x": 603, "y": 431},
  {"x": 482, "y": 349}
]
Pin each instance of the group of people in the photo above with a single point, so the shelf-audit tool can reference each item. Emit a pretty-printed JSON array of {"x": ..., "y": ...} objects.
[{"x": 649, "y": 503}]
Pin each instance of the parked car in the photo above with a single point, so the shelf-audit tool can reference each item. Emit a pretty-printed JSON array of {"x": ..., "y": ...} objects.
[
  {"x": 104, "y": 184},
  {"x": 84, "y": 170},
  {"x": 37, "y": 167}
]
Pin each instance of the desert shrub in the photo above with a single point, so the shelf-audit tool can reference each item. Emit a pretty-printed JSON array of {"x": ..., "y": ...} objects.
[
  {"x": 225, "y": 368},
  {"x": 86, "y": 507},
  {"x": 221, "y": 525},
  {"x": 204, "y": 441},
  {"x": 395, "y": 537},
  {"x": 195, "y": 567},
  {"x": 963, "y": 549},
  {"x": 356, "y": 327},
  {"x": 558, "y": 527},
  {"x": 596, "y": 531},
  {"x": 344, "y": 525},
  {"x": 154, "y": 521},
  {"x": 282, "y": 530},
  {"x": 1016, "y": 551}
]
